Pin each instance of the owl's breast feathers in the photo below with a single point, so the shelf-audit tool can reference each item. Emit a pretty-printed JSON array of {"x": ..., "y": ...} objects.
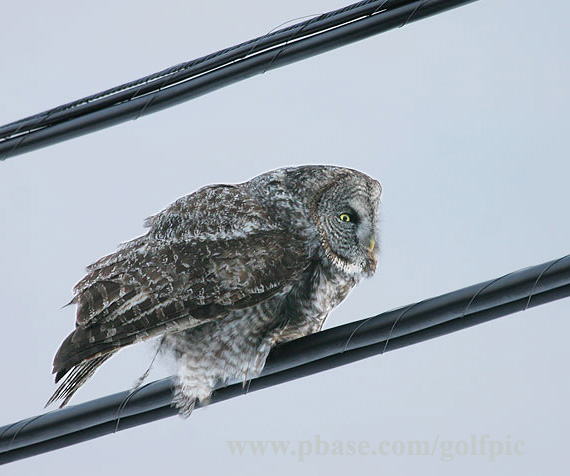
[{"x": 315, "y": 294}]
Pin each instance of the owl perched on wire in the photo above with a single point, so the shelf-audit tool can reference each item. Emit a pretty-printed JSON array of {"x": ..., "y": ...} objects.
[{"x": 226, "y": 273}]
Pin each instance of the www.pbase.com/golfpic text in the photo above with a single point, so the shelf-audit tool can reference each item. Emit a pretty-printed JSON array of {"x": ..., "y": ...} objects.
[{"x": 481, "y": 446}]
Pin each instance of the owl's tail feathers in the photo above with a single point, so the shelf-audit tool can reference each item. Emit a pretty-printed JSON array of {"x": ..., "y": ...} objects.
[{"x": 76, "y": 378}]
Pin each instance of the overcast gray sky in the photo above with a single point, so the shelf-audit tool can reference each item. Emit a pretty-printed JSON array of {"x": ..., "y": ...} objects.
[{"x": 463, "y": 117}]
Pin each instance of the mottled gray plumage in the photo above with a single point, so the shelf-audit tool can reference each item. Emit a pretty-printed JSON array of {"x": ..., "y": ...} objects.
[{"x": 224, "y": 274}]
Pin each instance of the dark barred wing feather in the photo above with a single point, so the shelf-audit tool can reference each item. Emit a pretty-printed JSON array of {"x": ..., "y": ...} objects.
[{"x": 207, "y": 254}]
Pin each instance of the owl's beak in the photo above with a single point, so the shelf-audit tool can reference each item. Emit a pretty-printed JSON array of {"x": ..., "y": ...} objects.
[
  {"x": 372, "y": 261},
  {"x": 372, "y": 245}
]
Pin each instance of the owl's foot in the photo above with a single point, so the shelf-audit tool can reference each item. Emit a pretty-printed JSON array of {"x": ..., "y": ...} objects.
[
  {"x": 188, "y": 391},
  {"x": 183, "y": 402}
]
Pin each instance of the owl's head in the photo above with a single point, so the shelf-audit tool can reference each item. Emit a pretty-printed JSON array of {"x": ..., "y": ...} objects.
[{"x": 345, "y": 211}]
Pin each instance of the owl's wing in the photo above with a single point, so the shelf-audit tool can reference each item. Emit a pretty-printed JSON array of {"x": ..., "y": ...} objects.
[{"x": 207, "y": 254}]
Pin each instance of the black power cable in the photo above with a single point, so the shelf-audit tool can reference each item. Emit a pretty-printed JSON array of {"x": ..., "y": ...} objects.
[
  {"x": 195, "y": 78},
  {"x": 325, "y": 350}
]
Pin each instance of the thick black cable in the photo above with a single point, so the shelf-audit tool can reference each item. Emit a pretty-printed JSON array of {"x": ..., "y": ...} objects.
[
  {"x": 195, "y": 78},
  {"x": 325, "y": 350}
]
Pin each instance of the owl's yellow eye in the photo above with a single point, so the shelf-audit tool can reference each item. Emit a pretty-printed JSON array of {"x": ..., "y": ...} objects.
[{"x": 345, "y": 217}]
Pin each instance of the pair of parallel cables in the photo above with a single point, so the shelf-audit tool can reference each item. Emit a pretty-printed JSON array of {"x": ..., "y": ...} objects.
[{"x": 325, "y": 350}]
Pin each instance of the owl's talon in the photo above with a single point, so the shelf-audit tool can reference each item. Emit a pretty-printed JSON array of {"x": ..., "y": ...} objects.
[{"x": 183, "y": 403}]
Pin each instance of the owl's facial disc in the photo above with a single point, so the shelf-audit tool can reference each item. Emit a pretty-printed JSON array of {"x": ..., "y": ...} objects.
[{"x": 346, "y": 215}]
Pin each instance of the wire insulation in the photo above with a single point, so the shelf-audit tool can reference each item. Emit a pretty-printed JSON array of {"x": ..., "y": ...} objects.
[
  {"x": 203, "y": 75},
  {"x": 318, "y": 352}
]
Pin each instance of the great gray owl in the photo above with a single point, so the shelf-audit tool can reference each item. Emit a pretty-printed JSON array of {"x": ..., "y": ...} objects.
[{"x": 225, "y": 273}]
